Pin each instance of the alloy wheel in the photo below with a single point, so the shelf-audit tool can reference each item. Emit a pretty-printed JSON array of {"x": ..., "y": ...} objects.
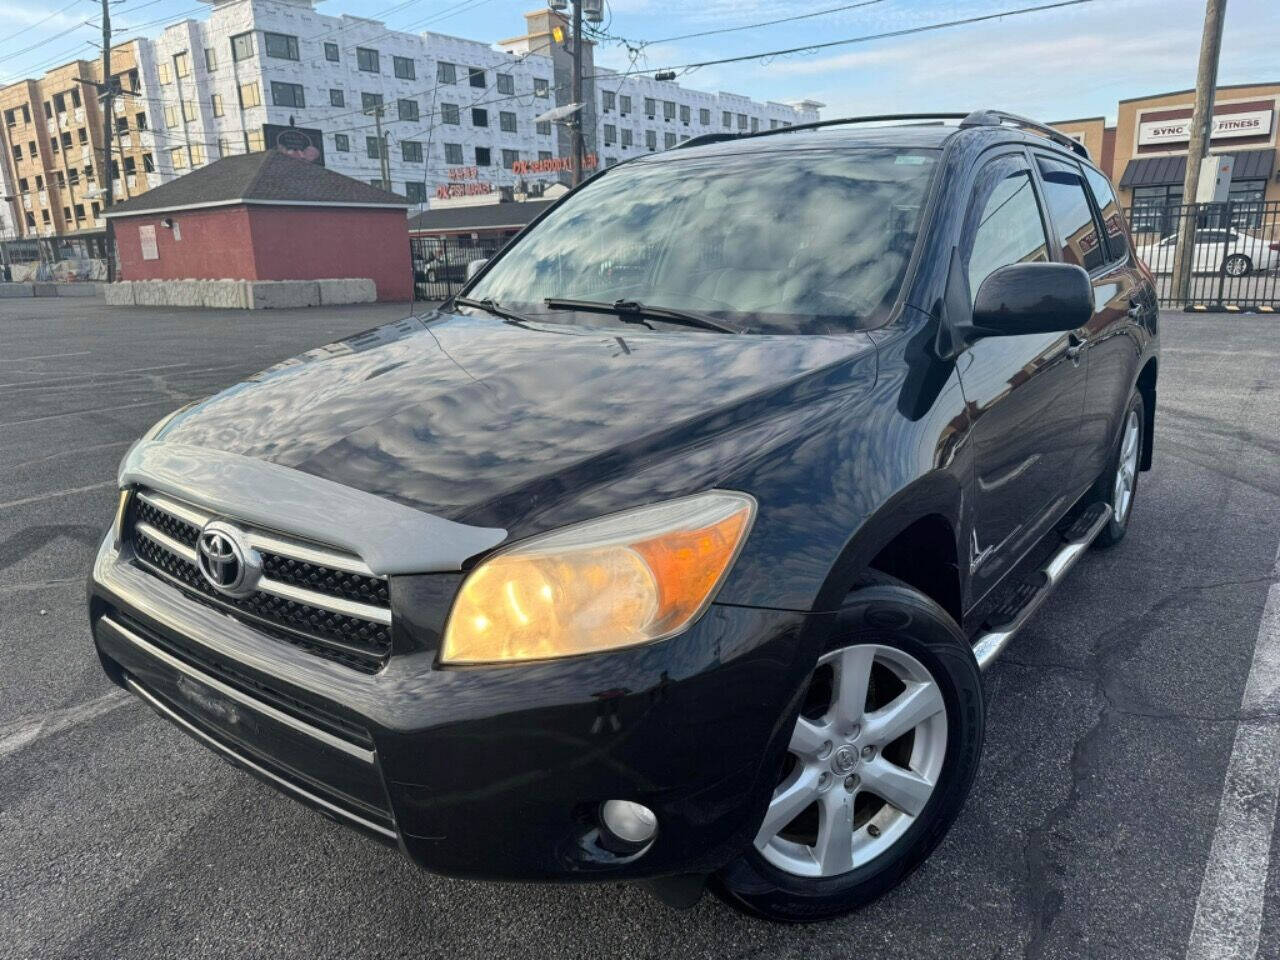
[
  {"x": 1127, "y": 470},
  {"x": 864, "y": 758}
]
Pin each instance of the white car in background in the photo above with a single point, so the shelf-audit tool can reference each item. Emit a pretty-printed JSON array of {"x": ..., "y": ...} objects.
[{"x": 1225, "y": 249}]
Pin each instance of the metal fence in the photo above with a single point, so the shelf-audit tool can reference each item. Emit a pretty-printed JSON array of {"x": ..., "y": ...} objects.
[
  {"x": 54, "y": 258},
  {"x": 1236, "y": 254},
  {"x": 440, "y": 263}
]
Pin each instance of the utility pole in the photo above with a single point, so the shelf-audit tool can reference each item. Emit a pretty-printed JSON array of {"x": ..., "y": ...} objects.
[
  {"x": 382, "y": 146},
  {"x": 1198, "y": 147},
  {"x": 577, "y": 92},
  {"x": 108, "y": 122}
]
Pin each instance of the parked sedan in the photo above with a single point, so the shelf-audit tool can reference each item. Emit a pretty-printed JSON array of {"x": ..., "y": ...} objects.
[{"x": 1226, "y": 250}]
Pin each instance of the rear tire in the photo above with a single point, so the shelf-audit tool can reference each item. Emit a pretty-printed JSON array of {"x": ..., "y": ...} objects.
[
  {"x": 894, "y": 709},
  {"x": 1237, "y": 265},
  {"x": 1118, "y": 485}
]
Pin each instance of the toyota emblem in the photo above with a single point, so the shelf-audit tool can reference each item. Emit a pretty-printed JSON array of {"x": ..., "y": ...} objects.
[{"x": 225, "y": 561}]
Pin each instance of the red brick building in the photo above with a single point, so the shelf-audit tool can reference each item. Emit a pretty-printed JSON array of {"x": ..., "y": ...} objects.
[{"x": 265, "y": 216}]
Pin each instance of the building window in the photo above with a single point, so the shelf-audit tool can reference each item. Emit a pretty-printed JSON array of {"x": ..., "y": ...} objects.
[
  {"x": 411, "y": 151},
  {"x": 182, "y": 64},
  {"x": 403, "y": 68},
  {"x": 608, "y": 100},
  {"x": 224, "y": 147},
  {"x": 378, "y": 182},
  {"x": 626, "y": 137},
  {"x": 479, "y": 117},
  {"x": 170, "y": 115},
  {"x": 755, "y": 124},
  {"x": 650, "y": 107},
  {"x": 342, "y": 143},
  {"x": 610, "y": 134},
  {"x": 742, "y": 121},
  {"x": 140, "y": 121},
  {"x": 506, "y": 84},
  {"x": 162, "y": 71},
  {"x": 540, "y": 87},
  {"x": 415, "y": 191},
  {"x": 210, "y": 59},
  {"x": 241, "y": 48},
  {"x": 75, "y": 96},
  {"x": 79, "y": 211},
  {"x": 189, "y": 113},
  {"x": 507, "y": 121},
  {"x": 446, "y": 73},
  {"x": 475, "y": 76},
  {"x": 684, "y": 115},
  {"x": 250, "y": 96},
  {"x": 254, "y": 141},
  {"x": 669, "y": 140},
  {"x": 279, "y": 45},
  {"x": 624, "y": 105},
  {"x": 367, "y": 60},
  {"x": 449, "y": 114},
  {"x": 453, "y": 154},
  {"x": 197, "y": 154},
  {"x": 651, "y": 139},
  {"x": 370, "y": 102},
  {"x": 543, "y": 128},
  {"x": 509, "y": 158},
  {"x": 336, "y": 98},
  {"x": 726, "y": 119},
  {"x": 668, "y": 110},
  {"x": 148, "y": 166},
  {"x": 371, "y": 148},
  {"x": 331, "y": 52},
  {"x": 1247, "y": 198},
  {"x": 544, "y": 154},
  {"x": 178, "y": 155},
  {"x": 17, "y": 151},
  {"x": 773, "y": 124},
  {"x": 407, "y": 109},
  {"x": 215, "y": 104},
  {"x": 482, "y": 157},
  {"x": 704, "y": 117},
  {"x": 287, "y": 94}
]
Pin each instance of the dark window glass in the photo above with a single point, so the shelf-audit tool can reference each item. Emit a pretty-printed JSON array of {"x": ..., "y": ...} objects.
[
  {"x": 449, "y": 114},
  {"x": 483, "y": 157},
  {"x": 507, "y": 121},
  {"x": 242, "y": 46},
  {"x": 411, "y": 151},
  {"x": 341, "y": 142},
  {"x": 403, "y": 68},
  {"x": 475, "y": 76},
  {"x": 370, "y": 101},
  {"x": 407, "y": 109},
  {"x": 446, "y": 72},
  {"x": 331, "y": 52},
  {"x": 287, "y": 94},
  {"x": 367, "y": 60},
  {"x": 479, "y": 117},
  {"x": 281, "y": 45},
  {"x": 1004, "y": 223},
  {"x": 1064, "y": 195},
  {"x": 506, "y": 84},
  {"x": 415, "y": 191},
  {"x": 453, "y": 154},
  {"x": 336, "y": 99},
  {"x": 1112, "y": 221}
]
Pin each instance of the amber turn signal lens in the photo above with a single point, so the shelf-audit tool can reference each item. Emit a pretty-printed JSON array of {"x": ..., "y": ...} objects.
[{"x": 627, "y": 579}]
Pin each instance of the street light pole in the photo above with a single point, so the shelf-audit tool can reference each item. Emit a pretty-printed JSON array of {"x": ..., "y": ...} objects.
[
  {"x": 1198, "y": 147},
  {"x": 382, "y": 146},
  {"x": 577, "y": 91}
]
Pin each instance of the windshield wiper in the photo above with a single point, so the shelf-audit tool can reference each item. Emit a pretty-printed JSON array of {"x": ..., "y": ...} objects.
[
  {"x": 628, "y": 309},
  {"x": 490, "y": 306}
]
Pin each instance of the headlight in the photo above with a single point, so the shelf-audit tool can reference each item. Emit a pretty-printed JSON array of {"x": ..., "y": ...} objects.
[{"x": 622, "y": 580}]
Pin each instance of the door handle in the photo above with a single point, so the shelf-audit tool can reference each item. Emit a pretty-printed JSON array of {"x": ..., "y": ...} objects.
[{"x": 1075, "y": 346}]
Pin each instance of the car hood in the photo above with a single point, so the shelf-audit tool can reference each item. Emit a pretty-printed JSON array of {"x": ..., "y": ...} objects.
[{"x": 481, "y": 420}]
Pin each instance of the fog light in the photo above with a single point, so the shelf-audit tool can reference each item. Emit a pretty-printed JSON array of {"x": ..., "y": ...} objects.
[{"x": 631, "y": 823}]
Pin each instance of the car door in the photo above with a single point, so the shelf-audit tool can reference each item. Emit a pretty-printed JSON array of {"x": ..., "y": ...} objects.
[
  {"x": 1079, "y": 202},
  {"x": 1024, "y": 393}
]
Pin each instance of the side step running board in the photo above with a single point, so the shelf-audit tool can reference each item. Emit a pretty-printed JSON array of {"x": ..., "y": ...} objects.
[{"x": 991, "y": 643}]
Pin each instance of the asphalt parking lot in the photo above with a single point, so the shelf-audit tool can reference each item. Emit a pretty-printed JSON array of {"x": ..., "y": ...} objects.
[{"x": 1097, "y": 827}]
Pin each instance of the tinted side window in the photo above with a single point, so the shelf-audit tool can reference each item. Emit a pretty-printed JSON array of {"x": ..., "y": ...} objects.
[
  {"x": 1004, "y": 223},
  {"x": 1112, "y": 222},
  {"x": 1069, "y": 209}
]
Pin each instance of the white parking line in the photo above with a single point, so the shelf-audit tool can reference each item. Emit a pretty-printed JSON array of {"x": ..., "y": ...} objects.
[
  {"x": 14, "y": 736},
  {"x": 1228, "y": 918}
]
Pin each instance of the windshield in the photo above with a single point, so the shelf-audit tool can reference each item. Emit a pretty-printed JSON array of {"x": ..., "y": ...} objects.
[{"x": 787, "y": 242}]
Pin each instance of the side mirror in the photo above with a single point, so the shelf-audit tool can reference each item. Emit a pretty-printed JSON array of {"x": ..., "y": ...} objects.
[
  {"x": 1032, "y": 298},
  {"x": 474, "y": 266}
]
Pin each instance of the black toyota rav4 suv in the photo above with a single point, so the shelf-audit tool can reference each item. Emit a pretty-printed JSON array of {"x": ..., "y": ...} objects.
[{"x": 673, "y": 548}]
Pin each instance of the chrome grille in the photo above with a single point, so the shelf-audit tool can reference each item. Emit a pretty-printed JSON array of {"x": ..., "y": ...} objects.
[{"x": 311, "y": 595}]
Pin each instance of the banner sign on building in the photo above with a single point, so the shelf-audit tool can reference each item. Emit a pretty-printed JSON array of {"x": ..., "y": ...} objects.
[
  {"x": 1252, "y": 123},
  {"x": 301, "y": 143},
  {"x": 552, "y": 165}
]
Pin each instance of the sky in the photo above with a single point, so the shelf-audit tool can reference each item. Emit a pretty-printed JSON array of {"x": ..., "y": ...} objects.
[{"x": 1058, "y": 64}]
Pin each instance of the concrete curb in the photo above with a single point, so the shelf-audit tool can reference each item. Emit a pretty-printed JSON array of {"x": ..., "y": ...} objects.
[
  {"x": 45, "y": 289},
  {"x": 239, "y": 294}
]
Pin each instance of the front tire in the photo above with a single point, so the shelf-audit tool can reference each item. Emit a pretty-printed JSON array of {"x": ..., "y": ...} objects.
[
  {"x": 880, "y": 761},
  {"x": 1237, "y": 265}
]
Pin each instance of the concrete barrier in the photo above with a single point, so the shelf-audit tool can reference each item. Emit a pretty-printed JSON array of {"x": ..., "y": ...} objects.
[
  {"x": 119, "y": 294},
  {"x": 16, "y": 290},
  {"x": 235, "y": 294},
  {"x": 78, "y": 289},
  {"x": 45, "y": 288},
  {"x": 282, "y": 294},
  {"x": 350, "y": 290}
]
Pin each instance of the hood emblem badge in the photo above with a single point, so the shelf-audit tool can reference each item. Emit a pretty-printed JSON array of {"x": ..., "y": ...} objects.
[{"x": 226, "y": 561}]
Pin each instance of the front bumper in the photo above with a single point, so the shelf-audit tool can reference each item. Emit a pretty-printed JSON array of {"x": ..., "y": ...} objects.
[{"x": 492, "y": 772}]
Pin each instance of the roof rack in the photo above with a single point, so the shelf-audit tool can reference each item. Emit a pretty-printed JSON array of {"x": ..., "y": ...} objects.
[
  {"x": 998, "y": 118},
  {"x": 975, "y": 118}
]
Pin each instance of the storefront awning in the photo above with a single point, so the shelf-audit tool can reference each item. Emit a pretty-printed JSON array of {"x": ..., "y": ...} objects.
[{"x": 1163, "y": 171}]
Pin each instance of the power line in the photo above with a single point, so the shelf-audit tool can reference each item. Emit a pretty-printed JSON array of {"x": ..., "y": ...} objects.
[
  {"x": 31, "y": 26},
  {"x": 765, "y": 23},
  {"x": 907, "y": 31}
]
